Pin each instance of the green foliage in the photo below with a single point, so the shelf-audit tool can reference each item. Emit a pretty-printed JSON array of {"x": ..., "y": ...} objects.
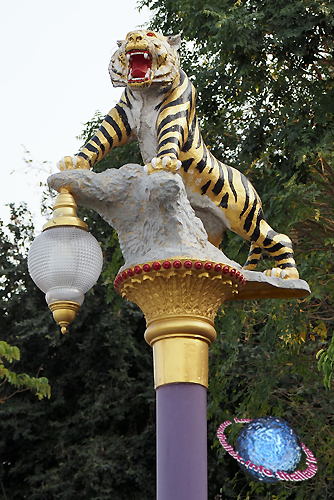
[
  {"x": 21, "y": 381},
  {"x": 326, "y": 363},
  {"x": 13, "y": 248},
  {"x": 9, "y": 352}
]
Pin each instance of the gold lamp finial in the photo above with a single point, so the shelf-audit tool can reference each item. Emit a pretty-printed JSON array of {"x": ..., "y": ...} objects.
[{"x": 64, "y": 312}]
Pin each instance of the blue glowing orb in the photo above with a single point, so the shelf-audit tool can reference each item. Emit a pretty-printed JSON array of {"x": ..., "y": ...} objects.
[{"x": 270, "y": 442}]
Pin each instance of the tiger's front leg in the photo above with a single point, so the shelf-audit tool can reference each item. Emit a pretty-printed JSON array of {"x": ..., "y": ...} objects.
[
  {"x": 73, "y": 163},
  {"x": 164, "y": 163}
]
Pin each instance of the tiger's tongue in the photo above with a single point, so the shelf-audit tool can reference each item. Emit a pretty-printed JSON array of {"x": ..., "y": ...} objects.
[{"x": 139, "y": 66}]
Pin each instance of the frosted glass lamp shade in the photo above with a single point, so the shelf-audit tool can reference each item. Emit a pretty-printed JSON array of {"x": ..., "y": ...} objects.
[{"x": 65, "y": 262}]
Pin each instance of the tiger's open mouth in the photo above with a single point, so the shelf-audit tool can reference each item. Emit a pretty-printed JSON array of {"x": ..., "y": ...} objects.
[{"x": 139, "y": 66}]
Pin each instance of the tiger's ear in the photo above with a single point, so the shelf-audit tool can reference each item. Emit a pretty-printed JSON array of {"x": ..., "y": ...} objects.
[
  {"x": 174, "y": 41},
  {"x": 119, "y": 42}
]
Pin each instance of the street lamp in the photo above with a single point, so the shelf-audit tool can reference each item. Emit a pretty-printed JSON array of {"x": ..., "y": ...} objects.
[
  {"x": 65, "y": 260},
  {"x": 179, "y": 281}
]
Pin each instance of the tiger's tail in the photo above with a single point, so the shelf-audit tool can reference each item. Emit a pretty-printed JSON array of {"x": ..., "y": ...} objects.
[{"x": 253, "y": 257}]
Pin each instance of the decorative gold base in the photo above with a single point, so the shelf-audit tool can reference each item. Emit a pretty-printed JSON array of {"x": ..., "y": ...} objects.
[
  {"x": 179, "y": 286},
  {"x": 64, "y": 312},
  {"x": 180, "y": 298}
]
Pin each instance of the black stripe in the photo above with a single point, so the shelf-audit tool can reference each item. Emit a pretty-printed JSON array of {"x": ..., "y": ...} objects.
[
  {"x": 124, "y": 119},
  {"x": 158, "y": 106},
  {"x": 99, "y": 143},
  {"x": 284, "y": 266},
  {"x": 230, "y": 180},
  {"x": 256, "y": 233},
  {"x": 91, "y": 148},
  {"x": 218, "y": 186},
  {"x": 249, "y": 218},
  {"x": 245, "y": 184},
  {"x": 106, "y": 135},
  {"x": 189, "y": 142},
  {"x": 275, "y": 248},
  {"x": 270, "y": 238},
  {"x": 128, "y": 102},
  {"x": 205, "y": 187},
  {"x": 186, "y": 164},
  {"x": 167, "y": 151},
  {"x": 127, "y": 90},
  {"x": 256, "y": 250},
  {"x": 170, "y": 140},
  {"x": 224, "y": 201},
  {"x": 173, "y": 128},
  {"x": 182, "y": 77},
  {"x": 115, "y": 126},
  {"x": 200, "y": 140},
  {"x": 202, "y": 163},
  {"x": 83, "y": 155},
  {"x": 165, "y": 89},
  {"x": 252, "y": 262},
  {"x": 184, "y": 98},
  {"x": 286, "y": 255},
  {"x": 169, "y": 119}
]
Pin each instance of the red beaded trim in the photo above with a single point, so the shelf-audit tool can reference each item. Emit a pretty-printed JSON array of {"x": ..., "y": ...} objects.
[{"x": 177, "y": 264}]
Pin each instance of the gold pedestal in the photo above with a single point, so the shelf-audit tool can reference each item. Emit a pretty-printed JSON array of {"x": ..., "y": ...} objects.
[
  {"x": 180, "y": 349},
  {"x": 180, "y": 298}
]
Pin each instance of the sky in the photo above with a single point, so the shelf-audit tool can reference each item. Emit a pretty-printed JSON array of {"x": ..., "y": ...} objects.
[{"x": 54, "y": 61}]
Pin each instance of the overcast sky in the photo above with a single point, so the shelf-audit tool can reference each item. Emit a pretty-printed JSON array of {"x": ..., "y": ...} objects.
[{"x": 54, "y": 61}]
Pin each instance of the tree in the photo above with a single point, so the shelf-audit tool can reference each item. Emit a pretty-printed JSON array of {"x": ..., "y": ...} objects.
[
  {"x": 14, "y": 242},
  {"x": 265, "y": 78},
  {"x": 265, "y": 103},
  {"x": 95, "y": 437},
  {"x": 21, "y": 382}
]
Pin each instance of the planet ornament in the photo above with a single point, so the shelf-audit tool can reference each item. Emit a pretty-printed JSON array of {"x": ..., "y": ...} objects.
[{"x": 269, "y": 450}]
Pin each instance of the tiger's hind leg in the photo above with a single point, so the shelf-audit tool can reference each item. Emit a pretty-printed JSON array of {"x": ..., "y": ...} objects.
[{"x": 279, "y": 246}]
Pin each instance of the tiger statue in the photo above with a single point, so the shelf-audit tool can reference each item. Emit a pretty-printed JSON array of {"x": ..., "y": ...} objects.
[{"x": 157, "y": 108}]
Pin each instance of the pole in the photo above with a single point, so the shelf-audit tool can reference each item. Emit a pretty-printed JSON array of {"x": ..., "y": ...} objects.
[
  {"x": 181, "y": 442},
  {"x": 180, "y": 354}
]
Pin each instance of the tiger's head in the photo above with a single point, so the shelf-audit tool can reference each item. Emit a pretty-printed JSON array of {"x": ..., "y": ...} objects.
[{"x": 145, "y": 58}]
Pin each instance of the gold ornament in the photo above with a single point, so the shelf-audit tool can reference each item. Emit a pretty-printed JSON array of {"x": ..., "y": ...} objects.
[{"x": 180, "y": 298}]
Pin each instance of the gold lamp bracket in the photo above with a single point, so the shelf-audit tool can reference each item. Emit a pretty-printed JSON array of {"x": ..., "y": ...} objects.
[{"x": 65, "y": 212}]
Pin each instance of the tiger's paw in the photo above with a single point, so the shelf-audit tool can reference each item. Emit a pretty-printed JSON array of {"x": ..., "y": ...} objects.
[
  {"x": 73, "y": 163},
  {"x": 289, "y": 273},
  {"x": 165, "y": 163}
]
